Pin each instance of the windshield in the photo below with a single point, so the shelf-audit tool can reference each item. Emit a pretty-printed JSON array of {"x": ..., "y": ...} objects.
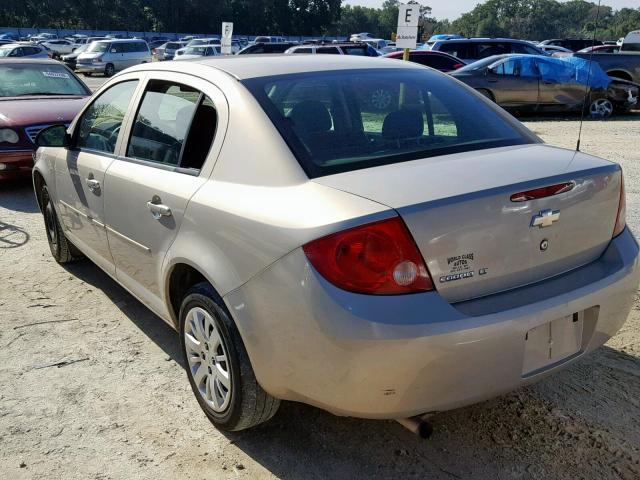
[
  {"x": 480, "y": 64},
  {"x": 98, "y": 47},
  {"x": 33, "y": 79},
  {"x": 341, "y": 121},
  {"x": 5, "y": 51}
]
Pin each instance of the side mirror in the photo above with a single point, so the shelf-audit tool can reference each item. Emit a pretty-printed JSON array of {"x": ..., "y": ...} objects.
[{"x": 53, "y": 136}]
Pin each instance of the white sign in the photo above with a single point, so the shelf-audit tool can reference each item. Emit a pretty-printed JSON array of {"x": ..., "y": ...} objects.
[
  {"x": 408, "y": 17},
  {"x": 225, "y": 42}
]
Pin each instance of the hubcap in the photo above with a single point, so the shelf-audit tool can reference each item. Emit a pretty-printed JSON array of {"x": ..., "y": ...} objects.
[
  {"x": 207, "y": 359},
  {"x": 601, "y": 108}
]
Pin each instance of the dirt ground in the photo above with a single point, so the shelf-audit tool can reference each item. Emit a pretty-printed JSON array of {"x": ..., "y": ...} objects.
[{"x": 122, "y": 407}]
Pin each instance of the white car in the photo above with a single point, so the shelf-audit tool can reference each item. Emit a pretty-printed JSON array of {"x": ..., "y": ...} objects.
[
  {"x": 19, "y": 50},
  {"x": 60, "y": 46},
  {"x": 199, "y": 51},
  {"x": 359, "y": 37},
  {"x": 195, "y": 42}
]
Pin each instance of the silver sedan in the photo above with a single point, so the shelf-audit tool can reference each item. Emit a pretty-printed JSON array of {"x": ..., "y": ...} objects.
[{"x": 378, "y": 260}]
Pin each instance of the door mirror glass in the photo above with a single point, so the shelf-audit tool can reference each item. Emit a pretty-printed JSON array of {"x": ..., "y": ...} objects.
[{"x": 53, "y": 136}]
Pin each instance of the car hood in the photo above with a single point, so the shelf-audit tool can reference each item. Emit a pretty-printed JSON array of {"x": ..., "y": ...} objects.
[{"x": 17, "y": 111}]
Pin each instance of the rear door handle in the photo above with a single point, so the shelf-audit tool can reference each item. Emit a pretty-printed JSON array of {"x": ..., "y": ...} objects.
[
  {"x": 93, "y": 184},
  {"x": 159, "y": 210}
]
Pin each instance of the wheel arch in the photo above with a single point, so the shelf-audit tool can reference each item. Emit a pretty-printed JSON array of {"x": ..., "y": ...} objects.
[
  {"x": 38, "y": 183},
  {"x": 620, "y": 73},
  {"x": 181, "y": 275}
]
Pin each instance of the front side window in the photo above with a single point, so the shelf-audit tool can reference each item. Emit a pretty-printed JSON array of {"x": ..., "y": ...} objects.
[
  {"x": 303, "y": 50},
  {"x": 341, "y": 121},
  {"x": 175, "y": 125},
  {"x": 328, "y": 50},
  {"x": 100, "y": 123}
]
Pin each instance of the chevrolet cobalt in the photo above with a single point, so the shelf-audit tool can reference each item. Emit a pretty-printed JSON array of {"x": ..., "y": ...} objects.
[{"x": 308, "y": 245}]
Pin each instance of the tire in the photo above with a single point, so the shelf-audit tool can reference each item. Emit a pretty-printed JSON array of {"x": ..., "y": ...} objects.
[
  {"x": 109, "y": 70},
  {"x": 486, "y": 93},
  {"x": 600, "y": 108},
  {"x": 235, "y": 401},
  {"x": 62, "y": 250}
]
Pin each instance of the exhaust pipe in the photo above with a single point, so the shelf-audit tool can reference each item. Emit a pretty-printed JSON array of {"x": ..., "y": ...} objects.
[{"x": 416, "y": 425}]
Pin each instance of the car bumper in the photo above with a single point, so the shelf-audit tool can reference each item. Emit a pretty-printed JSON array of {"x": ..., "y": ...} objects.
[
  {"x": 404, "y": 355},
  {"x": 15, "y": 164},
  {"x": 90, "y": 68}
]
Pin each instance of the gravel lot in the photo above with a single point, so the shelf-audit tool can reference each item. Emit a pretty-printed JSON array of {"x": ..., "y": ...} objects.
[{"x": 124, "y": 409}]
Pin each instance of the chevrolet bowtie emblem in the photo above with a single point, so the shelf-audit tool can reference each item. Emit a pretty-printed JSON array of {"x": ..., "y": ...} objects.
[{"x": 545, "y": 218}]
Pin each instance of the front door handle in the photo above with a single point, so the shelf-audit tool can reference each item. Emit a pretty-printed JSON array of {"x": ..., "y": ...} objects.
[
  {"x": 93, "y": 184},
  {"x": 159, "y": 210}
]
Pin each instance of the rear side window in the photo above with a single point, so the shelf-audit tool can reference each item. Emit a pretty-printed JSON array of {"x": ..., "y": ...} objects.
[
  {"x": 489, "y": 49},
  {"x": 438, "y": 62},
  {"x": 523, "y": 49},
  {"x": 100, "y": 123},
  {"x": 341, "y": 121},
  {"x": 360, "y": 51},
  {"x": 174, "y": 125},
  {"x": 459, "y": 49},
  {"x": 328, "y": 50}
]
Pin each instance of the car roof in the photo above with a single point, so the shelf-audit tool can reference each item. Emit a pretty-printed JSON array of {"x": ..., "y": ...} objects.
[
  {"x": 472, "y": 40},
  {"x": 119, "y": 40},
  {"x": 252, "y": 66}
]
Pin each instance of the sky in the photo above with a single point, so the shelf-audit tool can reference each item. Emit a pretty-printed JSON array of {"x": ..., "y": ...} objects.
[{"x": 452, "y": 9}]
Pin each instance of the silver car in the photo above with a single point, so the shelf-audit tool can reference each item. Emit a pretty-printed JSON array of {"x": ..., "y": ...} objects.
[
  {"x": 308, "y": 246},
  {"x": 110, "y": 56}
]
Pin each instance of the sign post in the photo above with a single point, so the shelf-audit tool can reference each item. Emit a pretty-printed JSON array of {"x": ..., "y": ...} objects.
[
  {"x": 407, "y": 36},
  {"x": 225, "y": 42}
]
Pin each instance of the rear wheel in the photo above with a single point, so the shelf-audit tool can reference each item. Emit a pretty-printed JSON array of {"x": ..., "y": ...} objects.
[
  {"x": 109, "y": 70},
  {"x": 218, "y": 366},
  {"x": 62, "y": 250}
]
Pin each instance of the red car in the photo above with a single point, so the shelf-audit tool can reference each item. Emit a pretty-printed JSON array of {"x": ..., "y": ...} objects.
[
  {"x": 438, "y": 60},
  {"x": 33, "y": 95}
]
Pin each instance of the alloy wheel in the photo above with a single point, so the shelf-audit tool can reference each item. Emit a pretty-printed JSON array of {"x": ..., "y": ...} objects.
[
  {"x": 602, "y": 107},
  {"x": 207, "y": 358}
]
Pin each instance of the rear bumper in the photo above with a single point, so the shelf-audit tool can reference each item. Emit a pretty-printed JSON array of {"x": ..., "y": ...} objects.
[
  {"x": 15, "y": 164},
  {"x": 398, "y": 356}
]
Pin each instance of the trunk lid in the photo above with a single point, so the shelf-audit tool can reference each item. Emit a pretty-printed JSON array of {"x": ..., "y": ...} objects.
[{"x": 473, "y": 237}]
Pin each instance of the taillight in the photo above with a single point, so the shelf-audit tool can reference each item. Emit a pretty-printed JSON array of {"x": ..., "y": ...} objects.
[
  {"x": 621, "y": 219},
  {"x": 377, "y": 258},
  {"x": 456, "y": 66}
]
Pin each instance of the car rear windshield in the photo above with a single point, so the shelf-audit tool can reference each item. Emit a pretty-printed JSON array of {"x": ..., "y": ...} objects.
[
  {"x": 19, "y": 80},
  {"x": 339, "y": 121}
]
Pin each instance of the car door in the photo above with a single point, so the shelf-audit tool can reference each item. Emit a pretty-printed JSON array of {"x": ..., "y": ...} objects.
[
  {"x": 160, "y": 166},
  {"x": 117, "y": 55},
  {"x": 513, "y": 84},
  {"x": 558, "y": 88},
  {"x": 80, "y": 170}
]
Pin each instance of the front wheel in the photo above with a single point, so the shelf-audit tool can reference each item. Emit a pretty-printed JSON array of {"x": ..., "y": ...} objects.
[
  {"x": 109, "y": 70},
  {"x": 600, "y": 108},
  {"x": 62, "y": 250},
  {"x": 217, "y": 364}
]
